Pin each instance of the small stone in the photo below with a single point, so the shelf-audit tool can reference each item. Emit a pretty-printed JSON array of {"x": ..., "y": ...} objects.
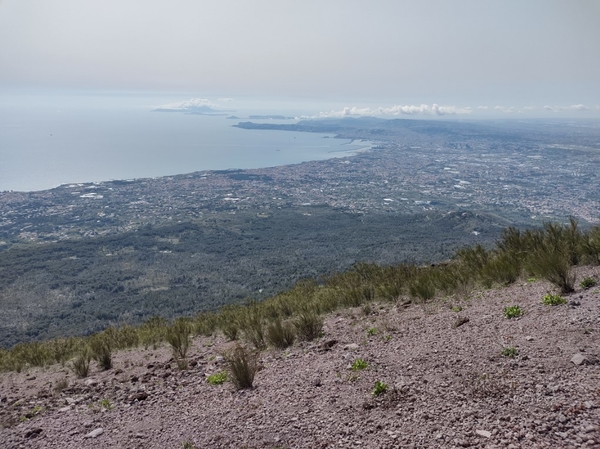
[
  {"x": 351, "y": 347},
  {"x": 91, "y": 382},
  {"x": 95, "y": 433},
  {"x": 583, "y": 359},
  {"x": 64, "y": 409},
  {"x": 140, "y": 396},
  {"x": 33, "y": 433},
  {"x": 529, "y": 338},
  {"x": 483, "y": 433}
]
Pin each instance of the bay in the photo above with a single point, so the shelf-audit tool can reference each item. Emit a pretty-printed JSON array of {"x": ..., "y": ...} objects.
[{"x": 49, "y": 141}]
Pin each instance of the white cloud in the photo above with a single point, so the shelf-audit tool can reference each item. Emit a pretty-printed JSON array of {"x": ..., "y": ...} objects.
[
  {"x": 505, "y": 110},
  {"x": 573, "y": 107},
  {"x": 482, "y": 107},
  {"x": 225, "y": 99},
  {"x": 529, "y": 108},
  {"x": 197, "y": 105},
  {"x": 423, "y": 109}
]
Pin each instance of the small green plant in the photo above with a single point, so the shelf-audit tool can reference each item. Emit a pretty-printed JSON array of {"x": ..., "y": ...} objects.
[
  {"x": 510, "y": 352},
  {"x": 588, "y": 283},
  {"x": 513, "y": 312},
  {"x": 372, "y": 331},
  {"x": 387, "y": 338},
  {"x": 457, "y": 309},
  {"x": 38, "y": 409},
  {"x": 359, "y": 364},
  {"x": 188, "y": 445},
  {"x": 531, "y": 280},
  {"x": 217, "y": 378},
  {"x": 243, "y": 365},
  {"x": 380, "y": 388},
  {"x": 105, "y": 404},
  {"x": 553, "y": 300}
]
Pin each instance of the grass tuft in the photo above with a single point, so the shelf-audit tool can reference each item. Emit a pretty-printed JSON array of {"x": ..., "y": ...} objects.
[{"x": 243, "y": 366}]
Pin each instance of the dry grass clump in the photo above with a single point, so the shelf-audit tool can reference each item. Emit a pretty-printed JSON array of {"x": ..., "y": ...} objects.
[{"x": 243, "y": 366}]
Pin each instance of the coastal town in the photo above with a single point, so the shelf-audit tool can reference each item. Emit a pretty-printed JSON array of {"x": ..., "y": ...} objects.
[{"x": 529, "y": 182}]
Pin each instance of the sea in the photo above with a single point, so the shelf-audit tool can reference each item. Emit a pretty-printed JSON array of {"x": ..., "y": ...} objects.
[{"x": 50, "y": 139}]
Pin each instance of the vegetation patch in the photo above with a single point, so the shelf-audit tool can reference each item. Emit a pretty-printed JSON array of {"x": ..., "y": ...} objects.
[
  {"x": 243, "y": 366},
  {"x": 380, "y": 388},
  {"x": 510, "y": 351},
  {"x": 217, "y": 378},
  {"x": 359, "y": 364},
  {"x": 553, "y": 300},
  {"x": 588, "y": 283},
  {"x": 511, "y": 312}
]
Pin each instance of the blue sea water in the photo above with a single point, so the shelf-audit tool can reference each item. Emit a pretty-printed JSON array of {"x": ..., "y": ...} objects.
[{"x": 49, "y": 140}]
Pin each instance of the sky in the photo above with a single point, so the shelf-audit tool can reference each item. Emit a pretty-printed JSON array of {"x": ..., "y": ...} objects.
[{"x": 471, "y": 58}]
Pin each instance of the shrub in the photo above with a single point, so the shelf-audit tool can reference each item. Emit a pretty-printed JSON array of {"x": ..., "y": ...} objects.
[
  {"x": 510, "y": 352},
  {"x": 512, "y": 312},
  {"x": 359, "y": 364},
  {"x": 81, "y": 364},
  {"x": 422, "y": 289},
  {"x": 217, "y": 378},
  {"x": 34, "y": 353},
  {"x": 308, "y": 325},
  {"x": 380, "y": 388},
  {"x": 153, "y": 332},
  {"x": 205, "y": 324},
  {"x": 552, "y": 256},
  {"x": 280, "y": 335},
  {"x": 504, "y": 269},
  {"x": 367, "y": 309},
  {"x": 553, "y": 300},
  {"x": 588, "y": 283},
  {"x": 243, "y": 365},
  {"x": 231, "y": 330},
  {"x": 252, "y": 325},
  {"x": 101, "y": 348},
  {"x": 61, "y": 385},
  {"x": 178, "y": 336}
]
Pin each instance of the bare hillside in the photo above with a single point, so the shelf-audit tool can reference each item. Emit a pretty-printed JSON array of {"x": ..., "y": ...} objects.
[{"x": 448, "y": 384}]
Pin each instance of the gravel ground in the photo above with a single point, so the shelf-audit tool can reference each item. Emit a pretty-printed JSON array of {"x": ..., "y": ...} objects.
[{"x": 448, "y": 386}]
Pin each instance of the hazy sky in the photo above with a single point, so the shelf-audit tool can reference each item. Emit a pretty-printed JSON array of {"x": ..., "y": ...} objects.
[{"x": 463, "y": 55}]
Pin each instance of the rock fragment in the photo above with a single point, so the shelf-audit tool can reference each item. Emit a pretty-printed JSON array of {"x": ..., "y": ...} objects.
[{"x": 95, "y": 433}]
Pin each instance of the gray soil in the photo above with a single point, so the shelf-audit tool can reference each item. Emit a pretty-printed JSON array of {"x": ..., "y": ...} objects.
[{"x": 448, "y": 386}]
